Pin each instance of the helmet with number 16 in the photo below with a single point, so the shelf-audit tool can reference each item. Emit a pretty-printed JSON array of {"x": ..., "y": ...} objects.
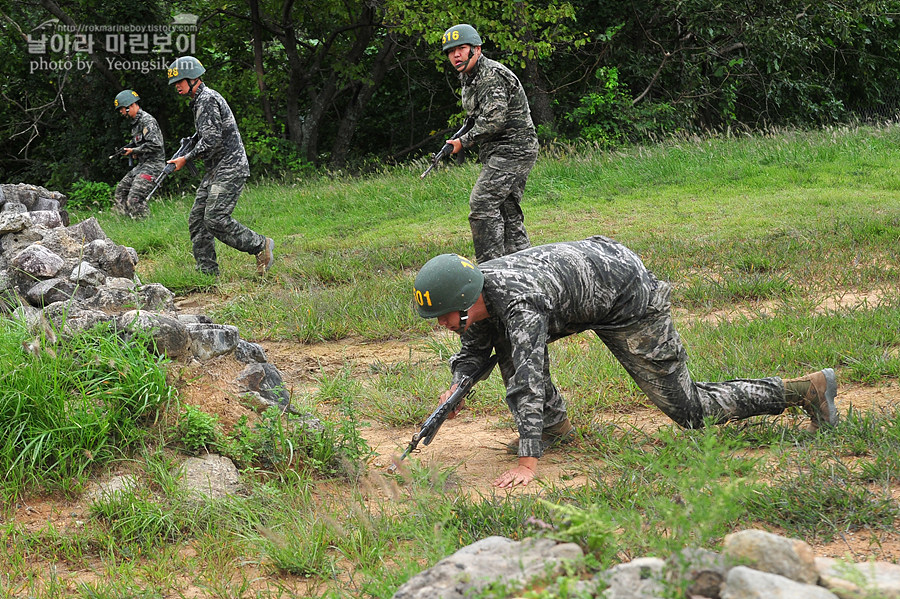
[{"x": 459, "y": 35}]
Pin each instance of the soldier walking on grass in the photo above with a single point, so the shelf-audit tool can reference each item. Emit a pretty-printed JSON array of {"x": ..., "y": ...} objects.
[
  {"x": 130, "y": 198},
  {"x": 519, "y": 303},
  {"x": 508, "y": 144},
  {"x": 222, "y": 151}
]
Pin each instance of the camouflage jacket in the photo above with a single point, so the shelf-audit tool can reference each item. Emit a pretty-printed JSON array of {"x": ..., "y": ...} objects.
[
  {"x": 493, "y": 95},
  {"x": 147, "y": 139},
  {"x": 539, "y": 295},
  {"x": 220, "y": 146}
]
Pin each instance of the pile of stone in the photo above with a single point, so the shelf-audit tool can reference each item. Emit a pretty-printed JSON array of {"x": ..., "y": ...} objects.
[
  {"x": 753, "y": 564},
  {"x": 61, "y": 278}
]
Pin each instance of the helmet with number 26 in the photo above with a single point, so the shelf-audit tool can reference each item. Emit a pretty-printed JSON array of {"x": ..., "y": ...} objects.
[
  {"x": 447, "y": 283},
  {"x": 459, "y": 35}
]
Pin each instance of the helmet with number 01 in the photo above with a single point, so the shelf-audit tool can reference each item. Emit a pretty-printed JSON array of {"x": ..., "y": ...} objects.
[
  {"x": 185, "y": 67},
  {"x": 125, "y": 98},
  {"x": 459, "y": 35},
  {"x": 447, "y": 283}
]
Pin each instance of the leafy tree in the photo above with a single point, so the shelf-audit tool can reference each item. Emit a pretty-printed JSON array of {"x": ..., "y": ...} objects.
[
  {"x": 322, "y": 82},
  {"x": 523, "y": 32},
  {"x": 57, "y": 121},
  {"x": 759, "y": 62}
]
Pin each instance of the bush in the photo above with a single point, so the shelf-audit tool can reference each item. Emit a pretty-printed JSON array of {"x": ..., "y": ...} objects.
[
  {"x": 90, "y": 196},
  {"x": 68, "y": 407},
  {"x": 197, "y": 429},
  {"x": 601, "y": 116},
  {"x": 283, "y": 441}
]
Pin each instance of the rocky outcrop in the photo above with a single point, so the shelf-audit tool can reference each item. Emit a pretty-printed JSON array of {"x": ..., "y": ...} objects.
[
  {"x": 490, "y": 562},
  {"x": 61, "y": 278},
  {"x": 753, "y": 564}
]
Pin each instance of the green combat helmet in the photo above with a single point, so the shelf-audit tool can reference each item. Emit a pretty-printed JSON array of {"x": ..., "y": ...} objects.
[
  {"x": 126, "y": 98},
  {"x": 447, "y": 283},
  {"x": 459, "y": 35},
  {"x": 185, "y": 67}
]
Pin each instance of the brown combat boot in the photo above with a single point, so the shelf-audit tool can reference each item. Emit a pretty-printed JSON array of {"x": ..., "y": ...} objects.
[
  {"x": 560, "y": 433},
  {"x": 814, "y": 393},
  {"x": 266, "y": 257}
]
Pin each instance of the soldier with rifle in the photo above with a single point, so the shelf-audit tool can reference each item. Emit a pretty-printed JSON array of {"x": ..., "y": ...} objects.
[
  {"x": 227, "y": 169},
  {"x": 519, "y": 303},
  {"x": 508, "y": 146},
  {"x": 132, "y": 192}
]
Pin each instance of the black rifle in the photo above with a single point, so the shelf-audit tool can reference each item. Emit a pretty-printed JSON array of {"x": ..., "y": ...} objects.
[
  {"x": 433, "y": 424},
  {"x": 448, "y": 149},
  {"x": 121, "y": 152},
  {"x": 187, "y": 144}
]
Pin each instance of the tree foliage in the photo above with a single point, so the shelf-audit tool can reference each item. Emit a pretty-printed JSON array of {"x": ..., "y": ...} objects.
[{"x": 321, "y": 83}]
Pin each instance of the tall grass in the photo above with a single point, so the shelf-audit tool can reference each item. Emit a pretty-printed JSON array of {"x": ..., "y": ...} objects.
[{"x": 70, "y": 407}]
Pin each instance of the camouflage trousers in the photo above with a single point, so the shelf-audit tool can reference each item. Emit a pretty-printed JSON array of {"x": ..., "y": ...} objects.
[
  {"x": 495, "y": 214},
  {"x": 130, "y": 198},
  {"x": 652, "y": 353},
  {"x": 210, "y": 219}
]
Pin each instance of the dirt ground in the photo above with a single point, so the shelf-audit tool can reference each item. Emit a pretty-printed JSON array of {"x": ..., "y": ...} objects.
[{"x": 473, "y": 446}]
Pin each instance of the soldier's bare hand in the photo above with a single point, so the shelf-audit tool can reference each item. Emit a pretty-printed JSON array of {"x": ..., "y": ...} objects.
[
  {"x": 445, "y": 396},
  {"x": 522, "y": 474},
  {"x": 178, "y": 162},
  {"x": 457, "y": 145}
]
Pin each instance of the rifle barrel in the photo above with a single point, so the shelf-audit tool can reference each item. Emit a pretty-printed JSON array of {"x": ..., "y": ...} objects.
[{"x": 431, "y": 426}]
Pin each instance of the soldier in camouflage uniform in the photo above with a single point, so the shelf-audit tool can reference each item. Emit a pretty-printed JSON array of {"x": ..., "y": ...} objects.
[
  {"x": 519, "y": 303},
  {"x": 508, "y": 144},
  {"x": 146, "y": 146},
  {"x": 222, "y": 151}
]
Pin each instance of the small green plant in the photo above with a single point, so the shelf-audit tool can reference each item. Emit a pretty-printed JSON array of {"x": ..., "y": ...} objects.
[
  {"x": 198, "y": 430},
  {"x": 90, "y": 196},
  {"x": 601, "y": 115},
  {"x": 281, "y": 441},
  {"x": 817, "y": 497},
  {"x": 301, "y": 549}
]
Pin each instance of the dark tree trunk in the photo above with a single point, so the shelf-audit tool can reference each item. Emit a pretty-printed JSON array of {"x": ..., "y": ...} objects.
[
  {"x": 258, "y": 62},
  {"x": 538, "y": 98},
  {"x": 361, "y": 99},
  {"x": 534, "y": 81}
]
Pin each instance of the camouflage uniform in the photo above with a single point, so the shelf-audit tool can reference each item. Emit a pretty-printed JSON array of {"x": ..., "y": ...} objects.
[
  {"x": 551, "y": 291},
  {"x": 222, "y": 151},
  {"x": 508, "y": 149},
  {"x": 131, "y": 193}
]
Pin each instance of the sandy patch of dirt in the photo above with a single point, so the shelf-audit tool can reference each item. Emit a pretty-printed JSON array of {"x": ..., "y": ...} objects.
[
  {"x": 839, "y": 300},
  {"x": 475, "y": 447}
]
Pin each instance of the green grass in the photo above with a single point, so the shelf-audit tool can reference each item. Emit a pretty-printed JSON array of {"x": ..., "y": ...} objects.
[
  {"x": 757, "y": 235},
  {"x": 68, "y": 408},
  {"x": 767, "y": 217}
]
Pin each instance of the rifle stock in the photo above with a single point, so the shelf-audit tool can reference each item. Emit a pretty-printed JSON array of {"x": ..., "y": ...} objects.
[
  {"x": 187, "y": 144},
  {"x": 433, "y": 424},
  {"x": 447, "y": 149}
]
